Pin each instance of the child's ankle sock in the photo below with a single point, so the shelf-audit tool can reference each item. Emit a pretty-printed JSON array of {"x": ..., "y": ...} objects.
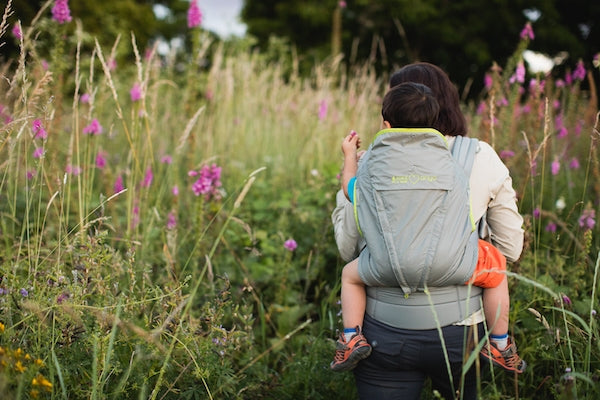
[
  {"x": 500, "y": 340},
  {"x": 349, "y": 333}
]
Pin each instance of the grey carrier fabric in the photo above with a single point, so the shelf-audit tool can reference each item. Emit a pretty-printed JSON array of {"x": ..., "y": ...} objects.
[{"x": 411, "y": 204}]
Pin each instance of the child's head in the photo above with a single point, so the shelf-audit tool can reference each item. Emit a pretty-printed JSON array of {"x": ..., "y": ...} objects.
[
  {"x": 451, "y": 120},
  {"x": 410, "y": 105}
]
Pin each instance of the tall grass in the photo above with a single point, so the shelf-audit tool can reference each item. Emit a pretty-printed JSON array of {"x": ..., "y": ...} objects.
[{"x": 142, "y": 240}]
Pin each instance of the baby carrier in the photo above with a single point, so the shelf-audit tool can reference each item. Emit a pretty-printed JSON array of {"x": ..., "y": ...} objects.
[{"x": 411, "y": 204}]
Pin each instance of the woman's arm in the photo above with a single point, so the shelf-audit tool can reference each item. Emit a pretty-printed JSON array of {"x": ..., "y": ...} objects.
[
  {"x": 344, "y": 226},
  {"x": 492, "y": 195}
]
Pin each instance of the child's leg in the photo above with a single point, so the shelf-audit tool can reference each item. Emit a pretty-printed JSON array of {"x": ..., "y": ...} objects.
[
  {"x": 496, "y": 307},
  {"x": 490, "y": 275},
  {"x": 354, "y": 297},
  {"x": 352, "y": 345}
]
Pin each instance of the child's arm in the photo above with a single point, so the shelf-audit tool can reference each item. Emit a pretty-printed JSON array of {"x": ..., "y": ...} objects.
[{"x": 349, "y": 147}]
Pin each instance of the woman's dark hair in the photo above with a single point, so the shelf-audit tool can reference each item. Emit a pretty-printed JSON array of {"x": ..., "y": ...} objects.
[
  {"x": 410, "y": 105},
  {"x": 451, "y": 120}
]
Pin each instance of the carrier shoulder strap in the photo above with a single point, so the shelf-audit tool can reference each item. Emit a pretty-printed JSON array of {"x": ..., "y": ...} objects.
[{"x": 464, "y": 150}]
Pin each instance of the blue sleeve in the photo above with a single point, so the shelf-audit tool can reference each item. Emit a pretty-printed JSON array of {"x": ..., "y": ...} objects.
[{"x": 351, "y": 184}]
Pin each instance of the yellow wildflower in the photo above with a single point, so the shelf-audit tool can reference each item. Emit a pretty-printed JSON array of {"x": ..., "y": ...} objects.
[
  {"x": 43, "y": 382},
  {"x": 34, "y": 393},
  {"x": 19, "y": 367},
  {"x": 1, "y": 327},
  {"x": 39, "y": 362}
]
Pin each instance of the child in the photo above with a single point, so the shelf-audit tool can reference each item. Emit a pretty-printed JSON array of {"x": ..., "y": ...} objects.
[{"x": 412, "y": 105}]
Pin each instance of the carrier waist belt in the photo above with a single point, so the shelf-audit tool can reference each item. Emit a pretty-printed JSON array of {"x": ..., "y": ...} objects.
[{"x": 420, "y": 311}]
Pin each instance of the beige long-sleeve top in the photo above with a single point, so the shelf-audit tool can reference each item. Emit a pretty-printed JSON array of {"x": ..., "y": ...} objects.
[{"x": 492, "y": 196}]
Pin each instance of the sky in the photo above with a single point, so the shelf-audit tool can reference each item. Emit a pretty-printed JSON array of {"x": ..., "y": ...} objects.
[{"x": 219, "y": 16}]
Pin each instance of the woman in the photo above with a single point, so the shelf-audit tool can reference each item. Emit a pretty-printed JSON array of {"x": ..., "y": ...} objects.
[{"x": 403, "y": 332}]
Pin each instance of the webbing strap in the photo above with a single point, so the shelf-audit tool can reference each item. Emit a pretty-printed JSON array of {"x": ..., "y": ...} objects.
[{"x": 464, "y": 150}]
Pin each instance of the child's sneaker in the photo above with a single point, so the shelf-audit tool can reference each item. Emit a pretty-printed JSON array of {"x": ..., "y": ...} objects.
[
  {"x": 507, "y": 358},
  {"x": 348, "y": 354}
]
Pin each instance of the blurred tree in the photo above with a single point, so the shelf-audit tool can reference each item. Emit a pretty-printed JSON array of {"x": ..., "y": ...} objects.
[
  {"x": 462, "y": 36},
  {"x": 106, "y": 19}
]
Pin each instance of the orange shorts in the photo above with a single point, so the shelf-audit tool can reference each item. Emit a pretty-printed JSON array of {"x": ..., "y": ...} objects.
[{"x": 490, "y": 268}]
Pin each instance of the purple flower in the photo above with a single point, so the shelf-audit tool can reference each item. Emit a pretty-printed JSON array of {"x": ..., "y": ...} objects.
[
  {"x": 519, "y": 75},
  {"x": 208, "y": 182},
  {"x": 62, "y": 297},
  {"x": 290, "y": 245},
  {"x": 171, "y": 221},
  {"x": 135, "y": 92},
  {"x": 562, "y": 132},
  {"x": 323, "y": 110},
  {"x": 38, "y": 129},
  {"x": 342, "y": 4},
  {"x": 527, "y": 32},
  {"x": 555, "y": 168},
  {"x": 175, "y": 190},
  {"x": 194, "y": 15},
  {"x": 504, "y": 154},
  {"x": 536, "y": 213},
  {"x": 578, "y": 128},
  {"x": 533, "y": 166},
  {"x": 568, "y": 79},
  {"x": 94, "y": 128},
  {"x": 135, "y": 219},
  {"x": 4, "y": 114},
  {"x": 38, "y": 152},
  {"x": 574, "y": 164},
  {"x": 502, "y": 101},
  {"x": 61, "y": 12},
  {"x": 588, "y": 219},
  {"x": 24, "y": 292},
  {"x": 118, "y": 185},
  {"x": 566, "y": 299},
  {"x": 551, "y": 227},
  {"x": 148, "y": 177},
  {"x": 73, "y": 170},
  {"x": 481, "y": 108},
  {"x": 101, "y": 160},
  {"x": 167, "y": 159},
  {"x": 16, "y": 31},
  {"x": 579, "y": 73},
  {"x": 488, "y": 81},
  {"x": 84, "y": 98},
  {"x": 536, "y": 87}
]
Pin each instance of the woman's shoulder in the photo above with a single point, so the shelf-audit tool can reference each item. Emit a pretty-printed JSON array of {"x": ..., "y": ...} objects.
[
  {"x": 488, "y": 161},
  {"x": 485, "y": 146}
]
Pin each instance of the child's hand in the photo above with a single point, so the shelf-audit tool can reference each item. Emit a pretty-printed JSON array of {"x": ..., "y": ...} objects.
[{"x": 351, "y": 143}]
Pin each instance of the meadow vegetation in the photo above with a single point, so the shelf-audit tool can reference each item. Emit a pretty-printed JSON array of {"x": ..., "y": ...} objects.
[{"x": 165, "y": 219}]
